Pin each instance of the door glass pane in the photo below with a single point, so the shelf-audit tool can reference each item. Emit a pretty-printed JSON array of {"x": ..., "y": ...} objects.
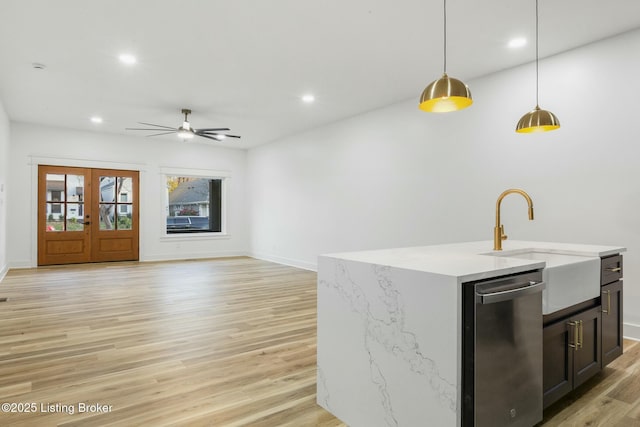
[
  {"x": 125, "y": 188},
  {"x": 107, "y": 189},
  {"x": 55, "y": 217},
  {"x": 75, "y": 188},
  {"x": 55, "y": 188},
  {"x": 107, "y": 216},
  {"x": 124, "y": 217},
  {"x": 74, "y": 217}
]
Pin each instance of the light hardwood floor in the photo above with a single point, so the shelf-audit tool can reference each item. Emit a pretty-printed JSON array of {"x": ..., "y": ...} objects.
[{"x": 226, "y": 342}]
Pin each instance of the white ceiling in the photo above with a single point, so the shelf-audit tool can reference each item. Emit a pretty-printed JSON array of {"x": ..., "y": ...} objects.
[{"x": 244, "y": 64}]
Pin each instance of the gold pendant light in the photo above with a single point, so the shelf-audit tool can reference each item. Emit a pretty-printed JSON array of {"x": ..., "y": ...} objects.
[
  {"x": 537, "y": 120},
  {"x": 445, "y": 94}
]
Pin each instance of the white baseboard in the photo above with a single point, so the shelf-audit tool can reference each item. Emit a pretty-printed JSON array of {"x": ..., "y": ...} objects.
[
  {"x": 177, "y": 256},
  {"x": 20, "y": 264},
  {"x": 3, "y": 272},
  {"x": 285, "y": 261},
  {"x": 631, "y": 331}
]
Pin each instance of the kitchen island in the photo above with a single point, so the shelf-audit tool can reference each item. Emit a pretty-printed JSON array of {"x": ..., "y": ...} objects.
[{"x": 390, "y": 331}]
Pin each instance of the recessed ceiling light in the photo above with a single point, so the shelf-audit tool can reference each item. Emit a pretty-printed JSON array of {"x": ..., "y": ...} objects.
[
  {"x": 127, "y": 59},
  {"x": 517, "y": 42},
  {"x": 308, "y": 98},
  {"x": 96, "y": 119}
]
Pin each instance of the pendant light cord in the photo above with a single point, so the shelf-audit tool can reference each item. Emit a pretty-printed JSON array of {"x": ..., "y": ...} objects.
[
  {"x": 537, "y": 78},
  {"x": 445, "y": 36}
]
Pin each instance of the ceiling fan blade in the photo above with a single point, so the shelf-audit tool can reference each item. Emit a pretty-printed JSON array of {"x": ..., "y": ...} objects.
[
  {"x": 213, "y": 133},
  {"x": 172, "y": 130},
  {"x": 209, "y": 137},
  {"x": 160, "y": 126},
  {"x": 211, "y": 129},
  {"x": 224, "y": 135},
  {"x": 163, "y": 133}
]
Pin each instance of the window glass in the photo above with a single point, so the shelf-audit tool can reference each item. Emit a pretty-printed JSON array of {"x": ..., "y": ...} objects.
[
  {"x": 55, "y": 217},
  {"x": 75, "y": 188},
  {"x": 124, "y": 217},
  {"x": 194, "y": 205},
  {"x": 107, "y": 217},
  {"x": 74, "y": 217},
  {"x": 65, "y": 197},
  {"x": 107, "y": 189},
  {"x": 125, "y": 189},
  {"x": 55, "y": 188},
  {"x": 116, "y": 207}
]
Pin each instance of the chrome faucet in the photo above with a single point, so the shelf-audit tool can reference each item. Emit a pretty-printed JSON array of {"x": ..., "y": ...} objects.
[{"x": 498, "y": 231}]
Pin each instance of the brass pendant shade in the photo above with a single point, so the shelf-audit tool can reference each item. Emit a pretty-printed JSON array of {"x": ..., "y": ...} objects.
[
  {"x": 537, "y": 120},
  {"x": 444, "y": 95}
]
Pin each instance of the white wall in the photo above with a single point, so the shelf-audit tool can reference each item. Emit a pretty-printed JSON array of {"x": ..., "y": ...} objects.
[
  {"x": 4, "y": 173},
  {"x": 34, "y": 144},
  {"x": 400, "y": 177}
]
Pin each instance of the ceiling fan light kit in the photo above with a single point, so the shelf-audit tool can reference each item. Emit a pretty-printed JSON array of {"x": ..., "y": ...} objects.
[{"x": 185, "y": 131}]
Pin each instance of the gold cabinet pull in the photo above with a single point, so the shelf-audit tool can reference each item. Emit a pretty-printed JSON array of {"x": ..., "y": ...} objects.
[
  {"x": 575, "y": 335},
  {"x": 580, "y": 334},
  {"x": 608, "y": 310},
  {"x": 614, "y": 270}
]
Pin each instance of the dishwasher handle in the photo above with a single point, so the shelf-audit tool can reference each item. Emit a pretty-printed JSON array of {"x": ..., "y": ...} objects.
[{"x": 527, "y": 288}]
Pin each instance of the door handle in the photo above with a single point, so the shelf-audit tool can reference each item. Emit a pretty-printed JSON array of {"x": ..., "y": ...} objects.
[
  {"x": 527, "y": 289},
  {"x": 614, "y": 270}
]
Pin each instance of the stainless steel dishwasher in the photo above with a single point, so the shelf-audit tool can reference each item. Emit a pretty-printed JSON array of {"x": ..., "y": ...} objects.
[{"x": 502, "y": 351}]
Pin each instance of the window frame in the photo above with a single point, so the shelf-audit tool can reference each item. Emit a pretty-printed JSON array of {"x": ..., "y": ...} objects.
[{"x": 222, "y": 176}]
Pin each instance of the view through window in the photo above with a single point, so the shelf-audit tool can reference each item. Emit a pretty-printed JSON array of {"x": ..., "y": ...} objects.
[{"x": 194, "y": 205}]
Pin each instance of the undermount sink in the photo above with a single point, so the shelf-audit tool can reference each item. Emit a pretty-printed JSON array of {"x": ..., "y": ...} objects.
[{"x": 570, "y": 279}]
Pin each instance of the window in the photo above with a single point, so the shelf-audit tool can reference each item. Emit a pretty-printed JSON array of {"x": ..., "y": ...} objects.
[
  {"x": 194, "y": 204},
  {"x": 65, "y": 202},
  {"x": 115, "y": 207}
]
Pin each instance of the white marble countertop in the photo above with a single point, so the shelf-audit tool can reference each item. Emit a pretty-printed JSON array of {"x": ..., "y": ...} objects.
[{"x": 469, "y": 260}]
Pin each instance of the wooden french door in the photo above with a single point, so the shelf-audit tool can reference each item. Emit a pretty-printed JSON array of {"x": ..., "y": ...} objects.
[{"x": 87, "y": 215}]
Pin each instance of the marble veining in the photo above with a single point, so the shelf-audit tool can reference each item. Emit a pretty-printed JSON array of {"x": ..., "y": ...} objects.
[
  {"x": 384, "y": 328},
  {"x": 389, "y": 326}
]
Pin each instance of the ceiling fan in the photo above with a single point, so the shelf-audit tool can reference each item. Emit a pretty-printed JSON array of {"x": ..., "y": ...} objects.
[{"x": 185, "y": 131}]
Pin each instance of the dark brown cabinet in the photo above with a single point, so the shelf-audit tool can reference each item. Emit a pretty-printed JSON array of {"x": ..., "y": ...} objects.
[
  {"x": 611, "y": 300},
  {"x": 587, "y": 354},
  {"x": 610, "y": 269},
  {"x": 581, "y": 340},
  {"x": 572, "y": 353}
]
